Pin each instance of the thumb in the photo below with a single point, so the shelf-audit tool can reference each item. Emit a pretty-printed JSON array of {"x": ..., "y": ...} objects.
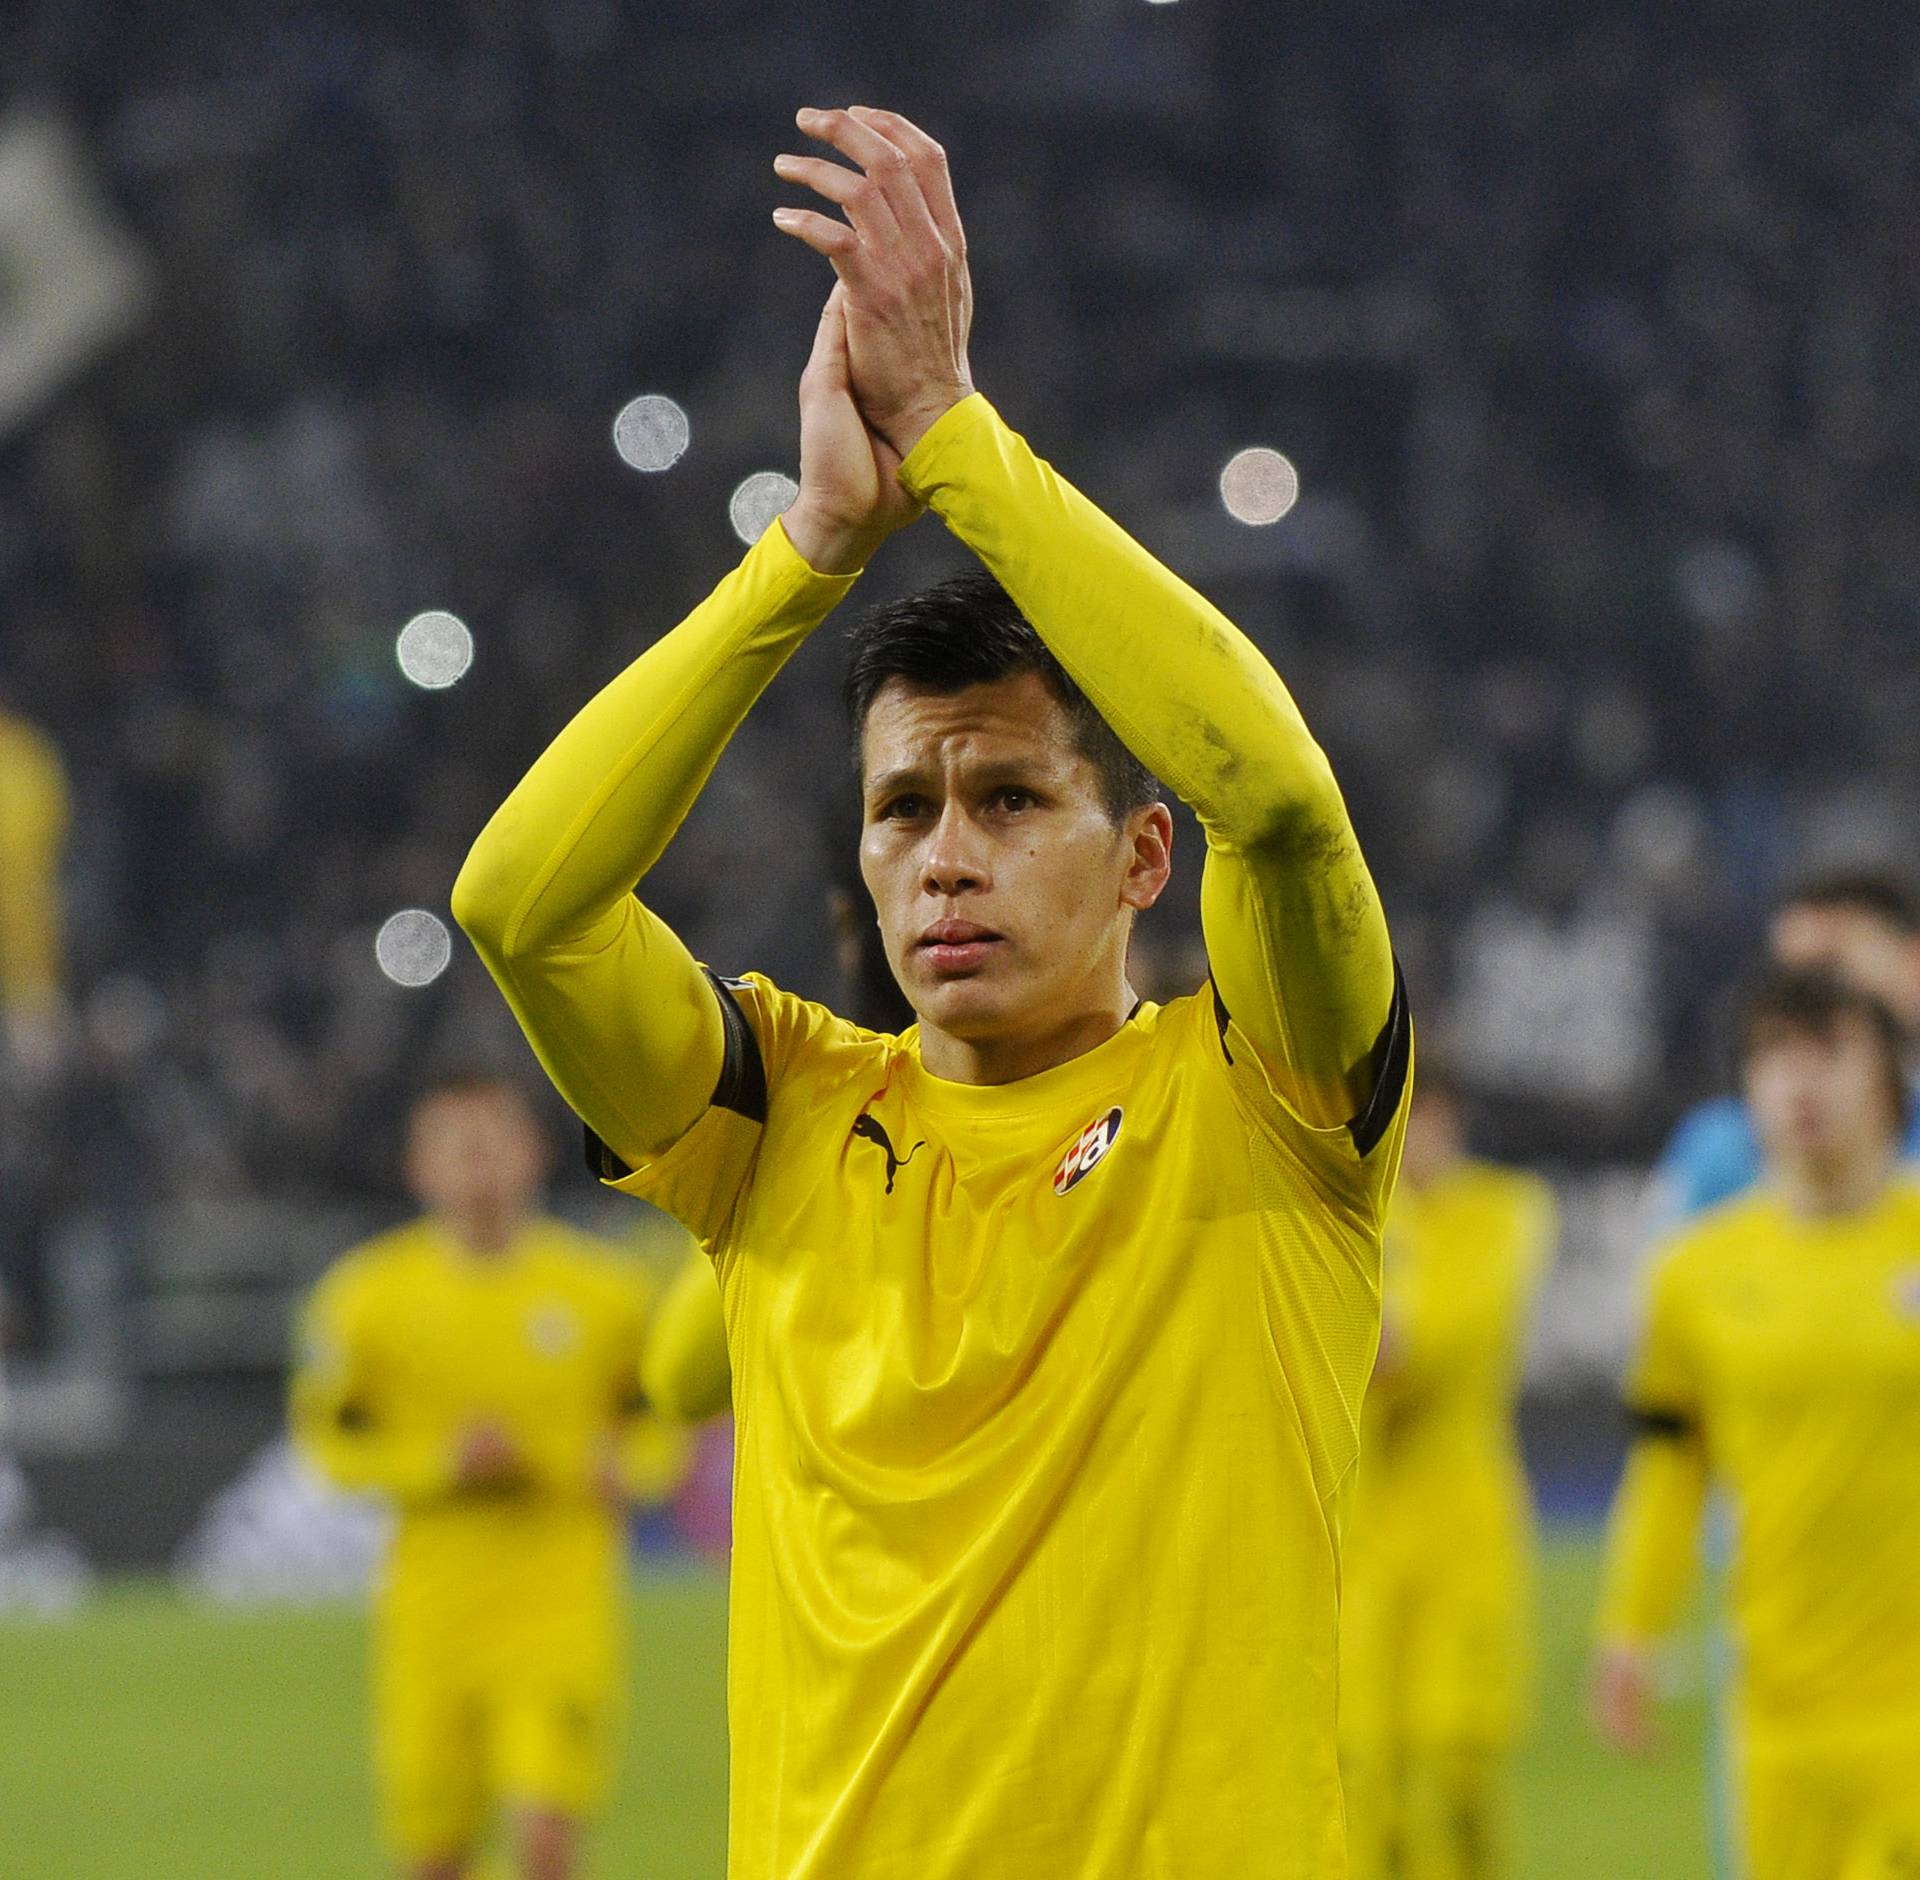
[{"x": 827, "y": 364}]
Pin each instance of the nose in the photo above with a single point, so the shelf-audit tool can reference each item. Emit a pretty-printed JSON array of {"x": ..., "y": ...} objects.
[{"x": 952, "y": 863}]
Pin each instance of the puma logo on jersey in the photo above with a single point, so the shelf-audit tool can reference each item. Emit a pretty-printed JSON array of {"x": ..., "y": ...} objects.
[
  {"x": 1088, "y": 1152},
  {"x": 868, "y": 1129},
  {"x": 1906, "y": 1294}
]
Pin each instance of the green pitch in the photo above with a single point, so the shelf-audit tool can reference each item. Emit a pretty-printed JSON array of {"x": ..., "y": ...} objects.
[{"x": 150, "y": 1739}]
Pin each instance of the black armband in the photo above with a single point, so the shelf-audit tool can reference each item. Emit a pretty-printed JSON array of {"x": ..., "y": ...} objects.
[{"x": 741, "y": 1086}]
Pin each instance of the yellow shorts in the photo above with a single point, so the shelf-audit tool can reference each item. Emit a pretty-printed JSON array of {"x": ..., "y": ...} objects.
[
  {"x": 446, "y": 1754},
  {"x": 1847, "y": 1808}
]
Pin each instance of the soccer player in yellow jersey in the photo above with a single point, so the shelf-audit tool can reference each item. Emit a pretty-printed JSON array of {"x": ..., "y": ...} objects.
[
  {"x": 1051, "y": 1315},
  {"x": 1437, "y": 1615},
  {"x": 1781, "y": 1362},
  {"x": 479, "y": 1367},
  {"x": 33, "y": 827}
]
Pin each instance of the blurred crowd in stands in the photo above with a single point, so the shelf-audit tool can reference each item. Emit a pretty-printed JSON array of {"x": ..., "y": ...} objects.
[{"x": 1589, "y": 330}]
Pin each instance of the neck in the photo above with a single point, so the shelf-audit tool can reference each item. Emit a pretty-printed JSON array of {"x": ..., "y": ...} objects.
[
  {"x": 1846, "y": 1182},
  {"x": 1005, "y": 1060},
  {"x": 485, "y": 1233}
]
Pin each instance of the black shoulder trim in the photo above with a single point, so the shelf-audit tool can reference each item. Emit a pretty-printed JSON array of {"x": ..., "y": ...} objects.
[
  {"x": 743, "y": 1071},
  {"x": 1393, "y": 1053},
  {"x": 1670, "y": 1426},
  {"x": 742, "y": 1087},
  {"x": 1221, "y": 1017},
  {"x": 602, "y": 1163}
]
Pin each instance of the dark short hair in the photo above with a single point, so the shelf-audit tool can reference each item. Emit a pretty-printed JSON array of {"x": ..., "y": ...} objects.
[
  {"x": 967, "y": 631},
  {"x": 1881, "y": 893},
  {"x": 1815, "y": 1004}
]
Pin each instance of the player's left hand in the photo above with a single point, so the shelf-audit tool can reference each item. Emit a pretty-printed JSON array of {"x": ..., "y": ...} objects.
[{"x": 901, "y": 256}]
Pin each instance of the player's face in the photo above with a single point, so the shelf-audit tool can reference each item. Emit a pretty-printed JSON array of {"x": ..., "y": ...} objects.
[
  {"x": 1003, "y": 887},
  {"x": 1855, "y": 945},
  {"x": 1819, "y": 1097},
  {"x": 476, "y": 1154}
]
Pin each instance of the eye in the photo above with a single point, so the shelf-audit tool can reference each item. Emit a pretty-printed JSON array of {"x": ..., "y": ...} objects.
[
  {"x": 1014, "y": 798},
  {"x": 905, "y": 808}
]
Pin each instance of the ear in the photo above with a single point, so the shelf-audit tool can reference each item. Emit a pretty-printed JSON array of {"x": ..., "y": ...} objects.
[{"x": 1149, "y": 833}]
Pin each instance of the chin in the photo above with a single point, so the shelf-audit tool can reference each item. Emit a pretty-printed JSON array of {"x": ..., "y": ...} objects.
[{"x": 965, "y": 1008}]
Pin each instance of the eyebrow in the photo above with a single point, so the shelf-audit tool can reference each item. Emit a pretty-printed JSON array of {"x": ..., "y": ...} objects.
[
  {"x": 890, "y": 782},
  {"x": 1031, "y": 772}
]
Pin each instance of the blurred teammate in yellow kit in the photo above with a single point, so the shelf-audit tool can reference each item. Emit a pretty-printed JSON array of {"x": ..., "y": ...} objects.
[
  {"x": 480, "y": 1367},
  {"x": 34, "y": 813},
  {"x": 1781, "y": 1363},
  {"x": 1436, "y": 1614}
]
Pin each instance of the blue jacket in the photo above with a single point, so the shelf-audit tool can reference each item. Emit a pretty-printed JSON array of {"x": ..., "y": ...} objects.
[{"x": 1714, "y": 1154}]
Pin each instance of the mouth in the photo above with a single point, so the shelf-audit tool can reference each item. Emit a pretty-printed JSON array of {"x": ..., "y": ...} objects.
[{"x": 957, "y": 946}]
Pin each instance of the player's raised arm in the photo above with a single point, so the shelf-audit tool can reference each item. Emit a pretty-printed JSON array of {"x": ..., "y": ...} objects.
[
  {"x": 1295, "y": 930},
  {"x": 610, "y": 999}
]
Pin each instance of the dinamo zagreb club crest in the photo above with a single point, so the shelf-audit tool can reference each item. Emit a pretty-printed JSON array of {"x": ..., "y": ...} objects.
[
  {"x": 1088, "y": 1151},
  {"x": 553, "y": 1331}
]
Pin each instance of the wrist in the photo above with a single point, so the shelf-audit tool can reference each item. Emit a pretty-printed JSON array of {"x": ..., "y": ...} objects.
[
  {"x": 904, "y": 429},
  {"x": 827, "y": 544}
]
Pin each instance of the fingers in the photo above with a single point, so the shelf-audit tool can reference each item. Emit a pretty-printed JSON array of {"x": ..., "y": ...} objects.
[
  {"x": 863, "y": 199},
  {"x": 929, "y": 163},
  {"x": 884, "y": 163},
  {"x": 821, "y": 233}
]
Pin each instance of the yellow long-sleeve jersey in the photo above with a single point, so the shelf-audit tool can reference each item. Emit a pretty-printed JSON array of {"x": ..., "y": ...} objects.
[
  {"x": 1781, "y": 1360},
  {"x": 408, "y": 1342},
  {"x": 33, "y": 825},
  {"x": 1047, "y": 1392},
  {"x": 1439, "y": 1564}
]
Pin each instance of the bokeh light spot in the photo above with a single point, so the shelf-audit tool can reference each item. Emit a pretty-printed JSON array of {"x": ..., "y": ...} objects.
[
  {"x": 434, "y": 649},
  {"x": 1259, "y": 486},
  {"x": 651, "y": 433},
  {"x": 413, "y": 947},
  {"x": 764, "y": 495}
]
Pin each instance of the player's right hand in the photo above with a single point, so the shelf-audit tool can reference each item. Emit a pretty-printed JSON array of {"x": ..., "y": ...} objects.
[
  {"x": 850, "y": 497},
  {"x": 488, "y": 1458},
  {"x": 1622, "y": 1699}
]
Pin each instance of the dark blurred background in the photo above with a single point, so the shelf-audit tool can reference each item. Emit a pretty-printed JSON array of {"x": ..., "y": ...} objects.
[{"x": 1588, "y": 329}]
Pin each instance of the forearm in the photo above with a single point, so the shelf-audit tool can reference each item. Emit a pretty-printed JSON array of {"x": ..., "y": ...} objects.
[
  {"x": 370, "y": 1460},
  {"x": 1653, "y": 1540},
  {"x": 552, "y": 868},
  {"x": 1187, "y": 691},
  {"x": 1196, "y": 702},
  {"x": 609, "y": 998}
]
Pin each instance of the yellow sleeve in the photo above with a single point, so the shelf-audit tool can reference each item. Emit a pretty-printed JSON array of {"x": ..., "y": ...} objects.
[
  {"x": 33, "y": 827},
  {"x": 685, "y": 1372},
  {"x": 342, "y": 1421},
  {"x": 1295, "y": 931},
  {"x": 651, "y": 1454},
  {"x": 610, "y": 999},
  {"x": 1653, "y": 1536}
]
